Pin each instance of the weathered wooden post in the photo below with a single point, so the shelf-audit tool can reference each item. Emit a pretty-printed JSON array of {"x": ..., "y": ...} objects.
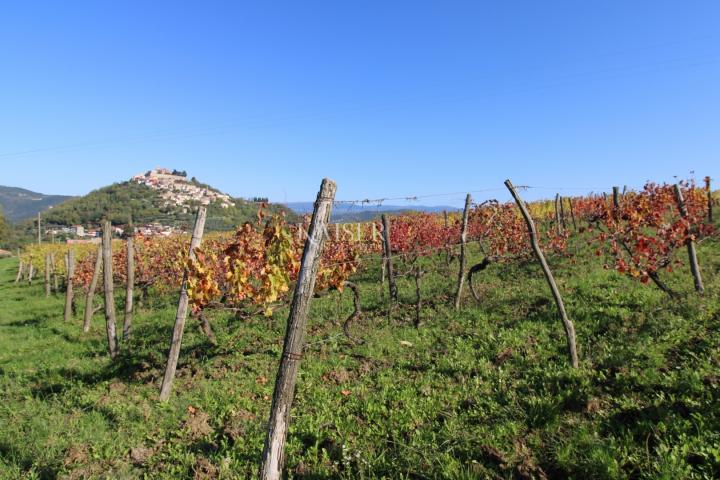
[
  {"x": 181, "y": 315},
  {"x": 130, "y": 285},
  {"x": 387, "y": 249},
  {"x": 709, "y": 199},
  {"x": 69, "y": 294},
  {"x": 56, "y": 287},
  {"x": 616, "y": 202},
  {"x": 569, "y": 327},
  {"x": 562, "y": 213},
  {"x": 47, "y": 275},
  {"x": 31, "y": 271},
  {"x": 572, "y": 213},
  {"x": 39, "y": 237},
  {"x": 19, "y": 275},
  {"x": 558, "y": 225},
  {"x": 692, "y": 254},
  {"x": 274, "y": 450},
  {"x": 463, "y": 247},
  {"x": 89, "y": 308},
  {"x": 107, "y": 257}
]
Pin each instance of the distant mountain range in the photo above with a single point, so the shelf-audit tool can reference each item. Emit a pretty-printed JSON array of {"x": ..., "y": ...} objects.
[
  {"x": 360, "y": 213},
  {"x": 19, "y": 204}
]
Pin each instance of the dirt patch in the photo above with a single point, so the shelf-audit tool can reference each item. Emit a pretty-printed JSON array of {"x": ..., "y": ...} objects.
[
  {"x": 205, "y": 470},
  {"x": 197, "y": 424},
  {"x": 526, "y": 469},
  {"x": 234, "y": 427},
  {"x": 76, "y": 455},
  {"x": 336, "y": 377},
  {"x": 594, "y": 405},
  {"x": 140, "y": 455}
]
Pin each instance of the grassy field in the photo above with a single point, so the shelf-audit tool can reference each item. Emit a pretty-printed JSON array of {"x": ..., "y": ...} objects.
[{"x": 483, "y": 393}]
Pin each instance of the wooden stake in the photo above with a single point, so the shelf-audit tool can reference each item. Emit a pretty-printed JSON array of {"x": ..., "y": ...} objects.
[
  {"x": 181, "y": 315},
  {"x": 690, "y": 243},
  {"x": 69, "y": 294},
  {"x": 20, "y": 270},
  {"x": 387, "y": 248},
  {"x": 616, "y": 202},
  {"x": 38, "y": 229},
  {"x": 558, "y": 226},
  {"x": 129, "y": 287},
  {"x": 463, "y": 247},
  {"x": 709, "y": 199},
  {"x": 107, "y": 257},
  {"x": 572, "y": 213},
  {"x": 562, "y": 213},
  {"x": 56, "y": 287},
  {"x": 569, "y": 327},
  {"x": 274, "y": 450},
  {"x": 89, "y": 309},
  {"x": 47, "y": 275}
]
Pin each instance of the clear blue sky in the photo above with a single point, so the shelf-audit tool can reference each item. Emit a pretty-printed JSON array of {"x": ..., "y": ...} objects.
[{"x": 387, "y": 98}]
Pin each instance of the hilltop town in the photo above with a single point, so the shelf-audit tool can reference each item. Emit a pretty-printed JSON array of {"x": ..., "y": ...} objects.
[{"x": 177, "y": 190}]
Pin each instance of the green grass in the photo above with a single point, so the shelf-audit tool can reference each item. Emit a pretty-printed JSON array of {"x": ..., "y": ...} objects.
[{"x": 483, "y": 393}]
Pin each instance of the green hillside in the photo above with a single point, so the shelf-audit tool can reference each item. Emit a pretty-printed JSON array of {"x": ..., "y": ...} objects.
[
  {"x": 20, "y": 204},
  {"x": 121, "y": 201}
]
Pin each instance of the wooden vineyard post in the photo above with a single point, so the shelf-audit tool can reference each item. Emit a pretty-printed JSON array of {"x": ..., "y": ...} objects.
[
  {"x": 567, "y": 323},
  {"x": 558, "y": 225},
  {"x": 130, "y": 286},
  {"x": 30, "y": 272},
  {"x": 181, "y": 315},
  {"x": 69, "y": 284},
  {"x": 709, "y": 199},
  {"x": 107, "y": 258},
  {"x": 56, "y": 288},
  {"x": 387, "y": 250},
  {"x": 562, "y": 213},
  {"x": 616, "y": 202},
  {"x": 89, "y": 309},
  {"x": 463, "y": 247},
  {"x": 47, "y": 275},
  {"x": 18, "y": 277},
  {"x": 274, "y": 449},
  {"x": 572, "y": 213},
  {"x": 39, "y": 237},
  {"x": 692, "y": 254}
]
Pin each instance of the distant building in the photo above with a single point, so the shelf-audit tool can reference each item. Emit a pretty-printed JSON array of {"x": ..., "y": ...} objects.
[{"x": 177, "y": 190}]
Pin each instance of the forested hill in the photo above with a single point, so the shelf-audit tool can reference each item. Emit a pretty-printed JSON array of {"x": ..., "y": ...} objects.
[
  {"x": 122, "y": 201},
  {"x": 20, "y": 204}
]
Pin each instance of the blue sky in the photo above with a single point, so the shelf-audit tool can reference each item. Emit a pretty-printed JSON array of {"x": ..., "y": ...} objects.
[{"x": 387, "y": 98}]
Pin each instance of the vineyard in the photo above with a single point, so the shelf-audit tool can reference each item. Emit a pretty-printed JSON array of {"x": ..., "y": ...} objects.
[{"x": 566, "y": 338}]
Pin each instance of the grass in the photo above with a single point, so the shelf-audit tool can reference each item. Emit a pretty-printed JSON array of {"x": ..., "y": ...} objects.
[{"x": 486, "y": 392}]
